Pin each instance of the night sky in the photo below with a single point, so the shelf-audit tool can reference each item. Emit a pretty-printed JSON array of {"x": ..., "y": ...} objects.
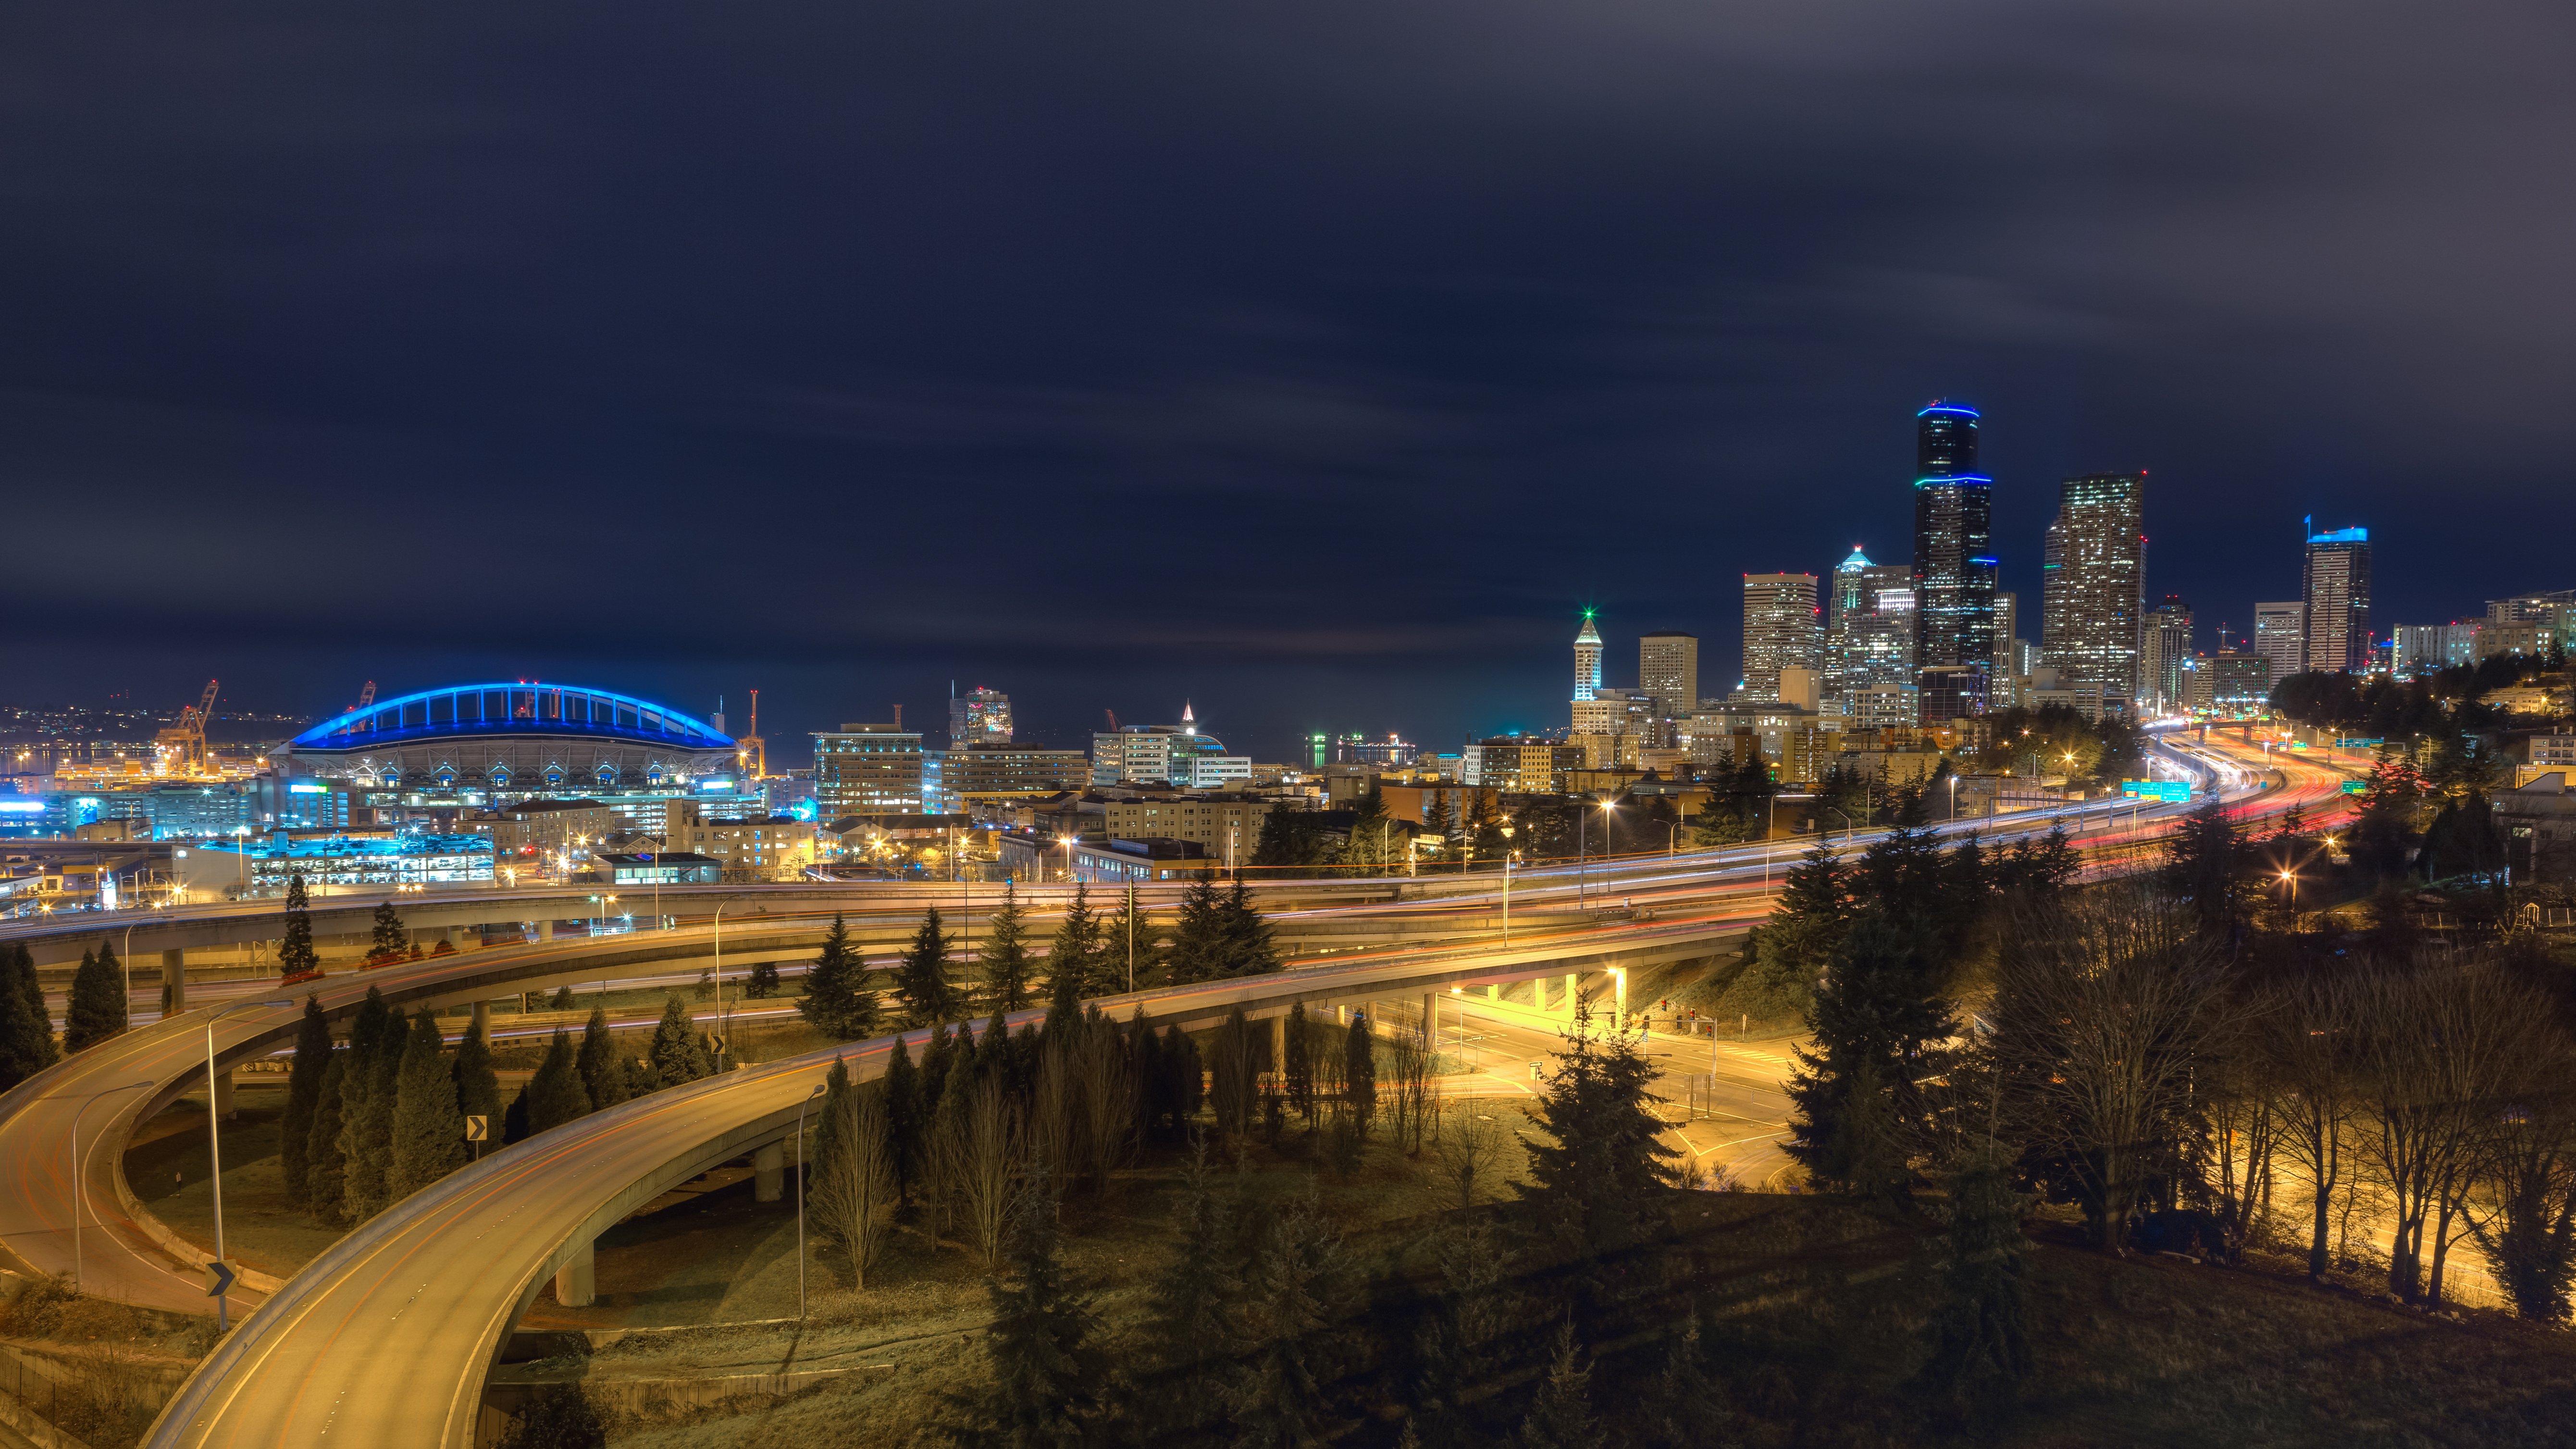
[{"x": 1315, "y": 362}]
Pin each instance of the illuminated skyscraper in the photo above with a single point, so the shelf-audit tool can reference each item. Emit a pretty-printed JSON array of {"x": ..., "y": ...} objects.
[
  {"x": 980, "y": 716},
  {"x": 2163, "y": 649},
  {"x": 2337, "y": 593},
  {"x": 1779, "y": 631},
  {"x": 2095, "y": 571},
  {"x": 1869, "y": 630},
  {"x": 1954, "y": 564},
  {"x": 1668, "y": 671},
  {"x": 1587, "y": 659},
  {"x": 2281, "y": 636}
]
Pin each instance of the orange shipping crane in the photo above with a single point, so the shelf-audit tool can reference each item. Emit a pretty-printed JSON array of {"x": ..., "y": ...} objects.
[
  {"x": 187, "y": 738},
  {"x": 366, "y": 696}
]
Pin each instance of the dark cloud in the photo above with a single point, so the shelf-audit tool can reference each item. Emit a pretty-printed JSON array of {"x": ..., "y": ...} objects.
[{"x": 1309, "y": 362}]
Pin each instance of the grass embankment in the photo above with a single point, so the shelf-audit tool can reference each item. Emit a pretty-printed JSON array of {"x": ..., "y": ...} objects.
[{"x": 1817, "y": 1309}]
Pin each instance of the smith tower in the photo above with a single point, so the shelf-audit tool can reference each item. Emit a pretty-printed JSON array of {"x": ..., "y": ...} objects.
[
  {"x": 1587, "y": 659},
  {"x": 1954, "y": 565}
]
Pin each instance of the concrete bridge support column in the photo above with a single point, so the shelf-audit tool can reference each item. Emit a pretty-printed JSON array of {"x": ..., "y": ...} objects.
[
  {"x": 545, "y": 930},
  {"x": 1431, "y": 1018},
  {"x": 1279, "y": 1043},
  {"x": 224, "y": 1094},
  {"x": 1573, "y": 992},
  {"x": 576, "y": 1282},
  {"x": 174, "y": 982},
  {"x": 1538, "y": 994},
  {"x": 1493, "y": 991},
  {"x": 483, "y": 1020},
  {"x": 769, "y": 1173}
]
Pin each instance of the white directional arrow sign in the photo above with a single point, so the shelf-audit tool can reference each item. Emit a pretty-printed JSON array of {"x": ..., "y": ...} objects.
[{"x": 221, "y": 1274}]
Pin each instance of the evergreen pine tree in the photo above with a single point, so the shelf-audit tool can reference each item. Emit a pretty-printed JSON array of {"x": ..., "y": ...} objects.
[
  {"x": 1875, "y": 1021},
  {"x": 603, "y": 1072},
  {"x": 1683, "y": 1407},
  {"x": 921, "y": 982},
  {"x": 949, "y": 1125},
  {"x": 295, "y": 955},
  {"x": 1598, "y": 1173},
  {"x": 1042, "y": 1367},
  {"x": 1188, "y": 1075},
  {"x": 1375, "y": 843},
  {"x": 678, "y": 1053},
  {"x": 2205, "y": 859},
  {"x": 1561, "y": 1416},
  {"x": 1073, "y": 957},
  {"x": 833, "y": 987},
  {"x": 1440, "y": 822},
  {"x": 1190, "y": 1324},
  {"x": 904, "y": 1124},
  {"x": 1980, "y": 1342},
  {"x": 1359, "y": 1072},
  {"x": 830, "y": 1124},
  {"x": 1298, "y": 1072},
  {"x": 514, "y": 1118},
  {"x": 428, "y": 1132},
  {"x": 386, "y": 941},
  {"x": 1485, "y": 844},
  {"x": 478, "y": 1090},
  {"x": 1128, "y": 958},
  {"x": 97, "y": 1007},
  {"x": 1290, "y": 1292},
  {"x": 325, "y": 1193},
  {"x": 762, "y": 984},
  {"x": 371, "y": 1132},
  {"x": 303, "y": 1098},
  {"x": 26, "y": 1025},
  {"x": 373, "y": 1032},
  {"x": 1471, "y": 1310},
  {"x": 1250, "y": 948},
  {"x": 1197, "y": 952},
  {"x": 1006, "y": 955},
  {"x": 555, "y": 1093}
]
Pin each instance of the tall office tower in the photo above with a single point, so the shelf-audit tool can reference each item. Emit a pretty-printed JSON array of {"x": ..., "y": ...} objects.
[
  {"x": 1587, "y": 659},
  {"x": 2280, "y": 636},
  {"x": 1954, "y": 564},
  {"x": 2095, "y": 568},
  {"x": 1779, "y": 631},
  {"x": 1869, "y": 631},
  {"x": 1668, "y": 672},
  {"x": 980, "y": 716},
  {"x": 2166, "y": 645},
  {"x": 2338, "y": 599},
  {"x": 2005, "y": 685}
]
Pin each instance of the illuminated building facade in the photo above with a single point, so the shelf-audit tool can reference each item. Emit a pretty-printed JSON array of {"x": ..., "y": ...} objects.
[
  {"x": 2337, "y": 595},
  {"x": 2094, "y": 568},
  {"x": 1587, "y": 658},
  {"x": 980, "y": 716},
  {"x": 866, "y": 769},
  {"x": 1780, "y": 632},
  {"x": 1954, "y": 565},
  {"x": 1869, "y": 630}
]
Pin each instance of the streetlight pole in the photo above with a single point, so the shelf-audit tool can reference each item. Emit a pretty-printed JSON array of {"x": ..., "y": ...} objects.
[
  {"x": 80, "y": 1190},
  {"x": 215, "y": 1151},
  {"x": 721, "y": 1042},
  {"x": 800, "y": 1198}
]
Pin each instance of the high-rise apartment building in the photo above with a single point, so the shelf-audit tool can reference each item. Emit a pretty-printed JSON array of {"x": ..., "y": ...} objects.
[
  {"x": 2281, "y": 636},
  {"x": 1869, "y": 629},
  {"x": 2338, "y": 598},
  {"x": 1954, "y": 565},
  {"x": 980, "y": 716},
  {"x": 1668, "y": 672},
  {"x": 2420, "y": 649},
  {"x": 2163, "y": 648},
  {"x": 2095, "y": 568},
  {"x": 1587, "y": 658},
  {"x": 1779, "y": 631}
]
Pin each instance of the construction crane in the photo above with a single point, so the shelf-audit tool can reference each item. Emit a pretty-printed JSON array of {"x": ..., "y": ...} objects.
[
  {"x": 187, "y": 738},
  {"x": 1113, "y": 720},
  {"x": 366, "y": 696},
  {"x": 755, "y": 753}
]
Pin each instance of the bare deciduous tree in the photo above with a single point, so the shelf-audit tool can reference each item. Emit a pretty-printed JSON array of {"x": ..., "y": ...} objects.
[
  {"x": 853, "y": 1189},
  {"x": 1409, "y": 1096},
  {"x": 1471, "y": 1151},
  {"x": 2445, "y": 1049},
  {"x": 2105, "y": 1005},
  {"x": 2305, "y": 1045},
  {"x": 987, "y": 1169}
]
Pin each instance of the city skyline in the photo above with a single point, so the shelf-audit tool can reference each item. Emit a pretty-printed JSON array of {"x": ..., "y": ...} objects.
[{"x": 534, "y": 377}]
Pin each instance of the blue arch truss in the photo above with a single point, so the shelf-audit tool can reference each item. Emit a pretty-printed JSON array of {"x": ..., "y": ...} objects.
[{"x": 468, "y": 711}]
